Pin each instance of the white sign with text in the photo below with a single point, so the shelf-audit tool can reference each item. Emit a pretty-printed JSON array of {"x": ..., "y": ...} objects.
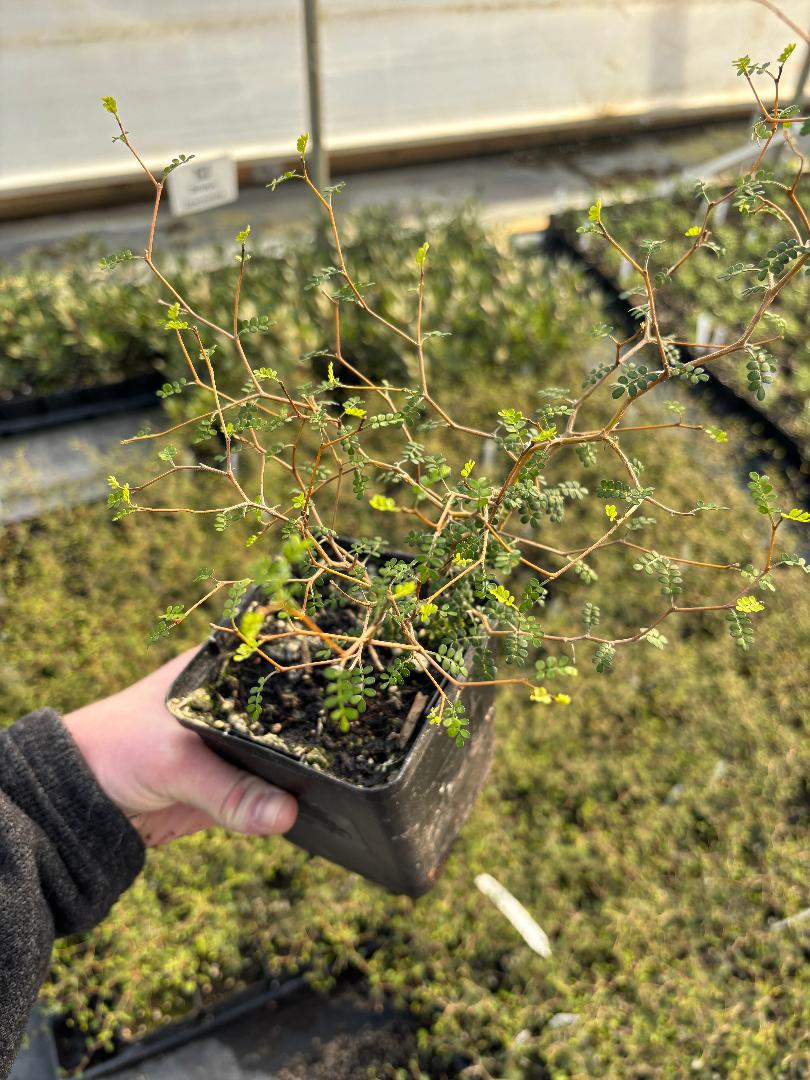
[{"x": 202, "y": 185}]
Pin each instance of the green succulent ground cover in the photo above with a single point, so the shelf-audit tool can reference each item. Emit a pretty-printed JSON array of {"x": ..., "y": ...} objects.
[
  {"x": 655, "y": 827},
  {"x": 69, "y": 323},
  {"x": 66, "y": 328},
  {"x": 695, "y": 299}
]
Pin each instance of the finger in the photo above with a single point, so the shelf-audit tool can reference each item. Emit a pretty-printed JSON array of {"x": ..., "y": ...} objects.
[
  {"x": 160, "y": 826},
  {"x": 231, "y": 797}
]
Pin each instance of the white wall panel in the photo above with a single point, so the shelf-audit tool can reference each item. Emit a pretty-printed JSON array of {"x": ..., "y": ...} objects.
[{"x": 203, "y": 76}]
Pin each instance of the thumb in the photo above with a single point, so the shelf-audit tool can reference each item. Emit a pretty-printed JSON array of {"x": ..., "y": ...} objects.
[{"x": 233, "y": 798}]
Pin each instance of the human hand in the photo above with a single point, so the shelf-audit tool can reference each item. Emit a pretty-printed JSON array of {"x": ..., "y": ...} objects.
[{"x": 164, "y": 777}]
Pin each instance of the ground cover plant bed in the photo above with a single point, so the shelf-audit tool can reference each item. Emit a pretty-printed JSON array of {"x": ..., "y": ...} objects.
[
  {"x": 656, "y": 828},
  {"x": 72, "y": 324},
  {"x": 65, "y": 329}
]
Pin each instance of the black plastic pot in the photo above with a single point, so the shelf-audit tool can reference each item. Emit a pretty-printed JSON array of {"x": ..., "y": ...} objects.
[
  {"x": 397, "y": 834},
  {"x": 26, "y": 414}
]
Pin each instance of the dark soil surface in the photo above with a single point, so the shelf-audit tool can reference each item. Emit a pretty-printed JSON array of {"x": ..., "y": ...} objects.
[
  {"x": 295, "y": 721},
  {"x": 342, "y": 1036},
  {"x": 371, "y": 1052}
]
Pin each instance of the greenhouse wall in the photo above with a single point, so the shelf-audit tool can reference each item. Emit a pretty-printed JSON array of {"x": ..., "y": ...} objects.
[{"x": 397, "y": 74}]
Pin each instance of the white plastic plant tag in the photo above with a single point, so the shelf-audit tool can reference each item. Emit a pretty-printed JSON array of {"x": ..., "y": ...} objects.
[
  {"x": 202, "y": 185},
  {"x": 704, "y": 328},
  {"x": 791, "y": 920},
  {"x": 534, "y": 936}
]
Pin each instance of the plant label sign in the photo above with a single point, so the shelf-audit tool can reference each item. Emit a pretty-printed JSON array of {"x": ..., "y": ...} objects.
[{"x": 202, "y": 185}]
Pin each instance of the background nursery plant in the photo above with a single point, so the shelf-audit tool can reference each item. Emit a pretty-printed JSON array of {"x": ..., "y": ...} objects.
[{"x": 489, "y": 519}]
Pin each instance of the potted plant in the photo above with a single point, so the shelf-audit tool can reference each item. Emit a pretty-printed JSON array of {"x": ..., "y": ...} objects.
[{"x": 358, "y": 672}]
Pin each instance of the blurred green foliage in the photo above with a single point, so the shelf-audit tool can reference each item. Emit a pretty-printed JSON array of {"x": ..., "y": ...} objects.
[
  {"x": 73, "y": 324},
  {"x": 698, "y": 302}
]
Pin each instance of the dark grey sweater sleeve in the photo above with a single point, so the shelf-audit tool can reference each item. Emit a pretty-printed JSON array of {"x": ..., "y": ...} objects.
[{"x": 66, "y": 855}]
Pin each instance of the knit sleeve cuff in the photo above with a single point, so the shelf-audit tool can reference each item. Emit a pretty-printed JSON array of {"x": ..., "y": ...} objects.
[{"x": 93, "y": 852}]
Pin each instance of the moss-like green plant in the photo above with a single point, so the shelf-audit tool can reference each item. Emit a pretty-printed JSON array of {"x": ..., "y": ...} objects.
[{"x": 479, "y": 560}]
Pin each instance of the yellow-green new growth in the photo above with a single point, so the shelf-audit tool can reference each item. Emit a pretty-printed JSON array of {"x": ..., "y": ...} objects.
[{"x": 749, "y": 605}]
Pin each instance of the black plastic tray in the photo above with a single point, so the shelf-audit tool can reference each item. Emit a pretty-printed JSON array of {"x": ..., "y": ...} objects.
[{"x": 22, "y": 415}]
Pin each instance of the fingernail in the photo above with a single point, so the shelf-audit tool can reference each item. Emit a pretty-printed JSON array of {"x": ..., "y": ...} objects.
[{"x": 270, "y": 813}]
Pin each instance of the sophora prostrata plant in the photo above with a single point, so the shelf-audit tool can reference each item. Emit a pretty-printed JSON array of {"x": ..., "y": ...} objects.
[{"x": 482, "y": 525}]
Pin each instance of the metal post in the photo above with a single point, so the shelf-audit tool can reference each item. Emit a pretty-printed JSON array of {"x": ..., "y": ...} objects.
[
  {"x": 801, "y": 82},
  {"x": 320, "y": 159}
]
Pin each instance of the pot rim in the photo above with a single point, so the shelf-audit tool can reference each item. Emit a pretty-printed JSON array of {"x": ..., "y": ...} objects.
[{"x": 413, "y": 754}]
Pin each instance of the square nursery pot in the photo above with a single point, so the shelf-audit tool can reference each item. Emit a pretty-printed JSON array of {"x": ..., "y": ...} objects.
[{"x": 398, "y": 833}]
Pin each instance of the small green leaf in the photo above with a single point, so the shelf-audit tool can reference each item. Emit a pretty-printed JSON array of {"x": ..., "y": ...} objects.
[
  {"x": 604, "y": 657},
  {"x": 741, "y": 629},
  {"x": 110, "y": 104},
  {"x": 254, "y": 706},
  {"x": 655, "y": 638},
  {"x": 249, "y": 626},
  {"x": 172, "y": 388},
  {"x": 241, "y": 237},
  {"x": 762, "y": 493},
  {"x": 172, "y": 320},
  {"x": 301, "y": 143},
  {"x": 421, "y": 255},
  {"x": 382, "y": 502},
  {"x": 111, "y": 261},
  {"x": 181, "y": 159},
  {"x": 749, "y": 605},
  {"x": 235, "y": 594},
  {"x": 501, "y": 595},
  {"x": 291, "y": 174},
  {"x": 742, "y": 64},
  {"x": 119, "y": 495},
  {"x": 797, "y": 515},
  {"x": 591, "y": 615},
  {"x": 717, "y": 434},
  {"x": 171, "y": 617}
]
